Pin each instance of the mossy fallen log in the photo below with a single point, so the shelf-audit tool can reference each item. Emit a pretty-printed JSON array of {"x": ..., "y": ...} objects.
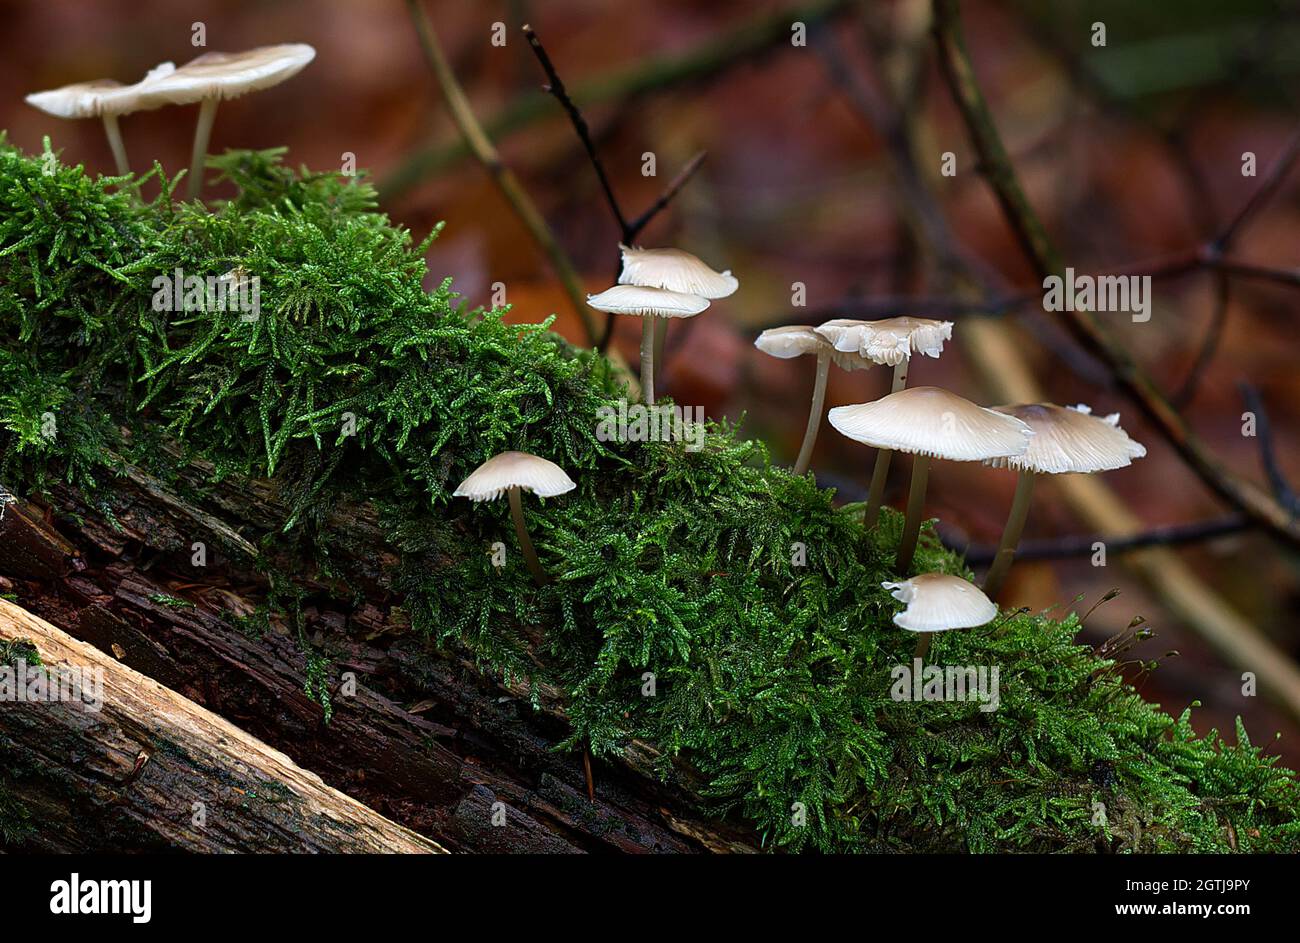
[
  {"x": 96, "y": 757},
  {"x": 431, "y": 768},
  {"x": 712, "y": 618}
]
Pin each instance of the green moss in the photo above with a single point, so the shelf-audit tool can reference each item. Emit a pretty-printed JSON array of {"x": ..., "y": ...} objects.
[
  {"x": 13, "y": 651},
  {"x": 317, "y": 683},
  {"x": 771, "y": 675},
  {"x": 165, "y": 599}
]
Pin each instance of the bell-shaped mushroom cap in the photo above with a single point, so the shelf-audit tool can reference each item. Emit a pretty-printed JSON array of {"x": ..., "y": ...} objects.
[
  {"x": 1070, "y": 439},
  {"x": 509, "y": 470},
  {"x": 889, "y": 341},
  {"x": 926, "y": 420},
  {"x": 794, "y": 340},
  {"x": 224, "y": 75},
  {"x": 98, "y": 98},
  {"x": 937, "y": 602},
  {"x": 674, "y": 270},
  {"x": 647, "y": 302}
]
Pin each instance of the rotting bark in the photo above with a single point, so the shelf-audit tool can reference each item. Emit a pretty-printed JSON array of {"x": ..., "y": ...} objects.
[
  {"x": 134, "y": 766},
  {"x": 425, "y": 739}
]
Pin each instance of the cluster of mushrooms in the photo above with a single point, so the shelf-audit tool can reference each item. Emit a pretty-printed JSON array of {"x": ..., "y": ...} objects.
[
  {"x": 654, "y": 285},
  {"x": 928, "y": 423},
  {"x": 205, "y": 80},
  {"x": 659, "y": 284}
]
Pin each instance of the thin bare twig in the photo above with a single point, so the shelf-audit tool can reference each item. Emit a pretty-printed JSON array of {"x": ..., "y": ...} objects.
[
  {"x": 1057, "y": 548},
  {"x": 628, "y": 229},
  {"x": 748, "y": 40},
  {"x": 556, "y": 88},
  {"x": 1213, "y": 334},
  {"x": 927, "y": 219},
  {"x": 509, "y": 185},
  {"x": 674, "y": 187},
  {"x": 1267, "y": 448},
  {"x": 1215, "y": 250},
  {"x": 1268, "y": 186}
]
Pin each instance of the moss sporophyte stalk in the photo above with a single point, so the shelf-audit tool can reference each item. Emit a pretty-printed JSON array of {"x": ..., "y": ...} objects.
[{"x": 754, "y": 602}]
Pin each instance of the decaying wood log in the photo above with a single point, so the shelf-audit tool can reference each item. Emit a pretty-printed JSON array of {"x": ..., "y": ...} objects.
[
  {"x": 119, "y": 762},
  {"x": 417, "y": 733}
]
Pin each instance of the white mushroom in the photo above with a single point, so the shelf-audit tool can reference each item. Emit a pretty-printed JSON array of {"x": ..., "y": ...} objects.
[
  {"x": 650, "y": 304},
  {"x": 929, "y": 423},
  {"x": 937, "y": 602},
  {"x": 794, "y": 341},
  {"x": 890, "y": 342},
  {"x": 105, "y": 99},
  {"x": 215, "y": 76},
  {"x": 510, "y": 473},
  {"x": 674, "y": 270},
  {"x": 1066, "y": 440}
]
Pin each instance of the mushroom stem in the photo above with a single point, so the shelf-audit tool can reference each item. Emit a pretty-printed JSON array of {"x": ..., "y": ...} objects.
[
  {"x": 1010, "y": 535},
  {"x": 202, "y": 134},
  {"x": 876, "y": 493},
  {"x": 525, "y": 544},
  {"x": 648, "y": 359},
  {"x": 879, "y": 474},
  {"x": 923, "y": 645},
  {"x": 661, "y": 338},
  {"x": 814, "y": 414},
  {"x": 915, "y": 503},
  {"x": 114, "y": 135}
]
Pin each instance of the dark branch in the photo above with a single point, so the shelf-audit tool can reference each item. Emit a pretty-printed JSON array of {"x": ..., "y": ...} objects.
[
  {"x": 628, "y": 230},
  {"x": 1267, "y": 450},
  {"x": 556, "y": 87},
  {"x": 1213, "y": 334},
  {"x": 1268, "y": 186},
  {"x": 1057, "y": 548},
  {"x": 634, "y": 227},
  {"x": 1213, "y": 253}
]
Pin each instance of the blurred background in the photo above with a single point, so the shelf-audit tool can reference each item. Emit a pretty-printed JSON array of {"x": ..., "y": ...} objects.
[{"x": 823, "y": 168}]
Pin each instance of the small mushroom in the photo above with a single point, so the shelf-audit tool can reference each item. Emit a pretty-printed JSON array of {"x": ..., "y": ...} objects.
[
  {"x": 511, "y": 473},
  {"x": 890, "y": 342},
  {"x": 794, "y": 341},
  {"x": 673, "y": 270},
  {"x": 937, "y": 602},
  {"x": 929, "y": 423},
  {"x": 214, "y": 76},
  {"x": 649, "y": 304},
  {"x": 105, "y": 99},
  {"x": 1066, "y": 440}
]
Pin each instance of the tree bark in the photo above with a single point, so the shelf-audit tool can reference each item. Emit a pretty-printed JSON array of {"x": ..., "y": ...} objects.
[
  {"x": 424, "y": 739},
  {"x": 131, "y": 765}
]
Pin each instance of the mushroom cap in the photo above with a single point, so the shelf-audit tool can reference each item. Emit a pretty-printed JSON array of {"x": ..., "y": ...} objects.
[
  {"x": 1070, "y": 439},
  {"x": 97, "y": 98},
  {"x": 647, "y": 302},
  {"x": 509, "y": 470},
  {"x": 925, "y": 420},
  {"x": 937, "y": 602},
  {"x": 223, "y": 75},
  {"x": 795, "y": 340},
  {"x": 674, "y": 270},
  {"x": 889, "y": 341}
]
